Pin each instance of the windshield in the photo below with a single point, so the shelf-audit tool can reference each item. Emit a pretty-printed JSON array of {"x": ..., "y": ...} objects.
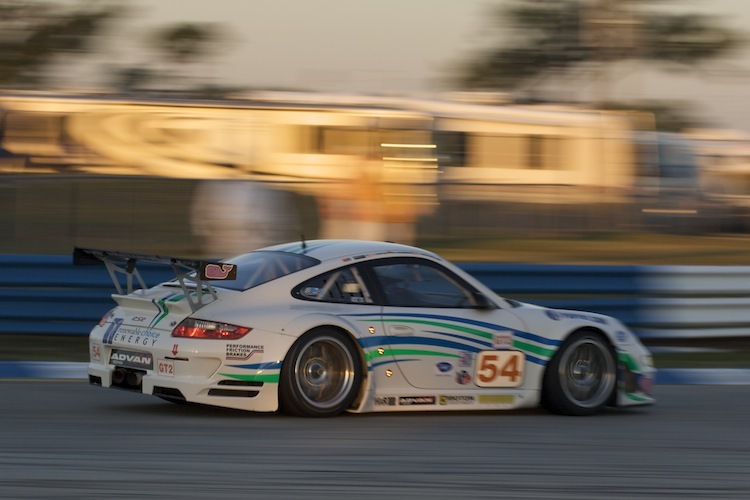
[{"x": 256, "y": 268}]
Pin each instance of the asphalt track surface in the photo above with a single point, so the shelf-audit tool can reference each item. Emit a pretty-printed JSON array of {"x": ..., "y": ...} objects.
[{"x": 67, "y": 439}]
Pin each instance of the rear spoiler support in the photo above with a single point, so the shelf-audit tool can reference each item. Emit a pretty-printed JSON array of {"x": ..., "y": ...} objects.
[{"x": 125, "y": 263}]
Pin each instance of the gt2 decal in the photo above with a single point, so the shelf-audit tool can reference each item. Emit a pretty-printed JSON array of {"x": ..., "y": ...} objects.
[
  {"x": 165, "y": 367},
  {"x": 499, "y": 369}
]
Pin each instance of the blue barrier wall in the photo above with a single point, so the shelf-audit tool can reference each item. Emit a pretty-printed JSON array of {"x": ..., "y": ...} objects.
[
  {"x": 42, "y": 294},
  {"x": 47, "y": 295}
]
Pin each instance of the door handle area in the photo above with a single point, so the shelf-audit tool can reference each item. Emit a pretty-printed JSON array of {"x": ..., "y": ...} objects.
[{"x": 400, "y": 330}]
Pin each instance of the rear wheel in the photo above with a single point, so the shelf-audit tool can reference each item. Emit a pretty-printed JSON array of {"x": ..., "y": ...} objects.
[
  {"x": 581, "y": 377},
  {"x": 321, "y": 374}
]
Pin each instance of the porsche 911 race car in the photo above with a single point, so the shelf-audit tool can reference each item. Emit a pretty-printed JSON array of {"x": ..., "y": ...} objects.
[{"x": 321, "y": 327}]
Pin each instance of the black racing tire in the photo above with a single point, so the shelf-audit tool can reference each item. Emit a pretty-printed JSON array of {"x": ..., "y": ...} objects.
[
  {"x": 581, "y": 377},
  {"x": 321, "y": 374}
]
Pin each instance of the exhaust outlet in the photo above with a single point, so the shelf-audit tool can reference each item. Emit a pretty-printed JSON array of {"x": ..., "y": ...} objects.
[{"x": 133, "y": 379}]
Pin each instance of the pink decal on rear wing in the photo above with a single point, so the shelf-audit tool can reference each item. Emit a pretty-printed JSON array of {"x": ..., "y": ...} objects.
[{"x": 213, "y": 271}]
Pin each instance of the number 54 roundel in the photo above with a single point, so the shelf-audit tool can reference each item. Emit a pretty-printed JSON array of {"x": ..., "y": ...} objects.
[{"x": 499, "y": 369}]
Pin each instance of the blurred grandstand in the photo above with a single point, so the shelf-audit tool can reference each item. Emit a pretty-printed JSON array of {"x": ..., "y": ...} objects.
[{"x": 216, "y": 177}]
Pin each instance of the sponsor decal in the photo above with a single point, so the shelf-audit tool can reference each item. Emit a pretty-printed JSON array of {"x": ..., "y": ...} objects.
[
  {"x": 131, "y": 359},
  {"x": 416, "y": 400},
  {"x": 112, "y": 330},
  {"x": 138, "y": 319},
  {"x": 242, "y": 351},
  {"x": 502, "y": 340},
  {"x": 463, "y": 377},
  {"x": 443, "y": 368},
  {"x": 456, "y": 400},
  {"x": 622, "y": 337},
  {"x": 165, "y": 367},
  {"x": 385, "y": 401},
  {"x": 96, "y": 352},
  {"x": 218, "y": 271},
  {"x": 497, "y": 399},
  {"x": 645, "y": 384},
  {"x": 105, "y": 319},
  {"x": 132, "y": 336},
  {"x": 310, "y": 291},
  {"x": 556, "y": 315},
  {"x": 466, "y": 359}
]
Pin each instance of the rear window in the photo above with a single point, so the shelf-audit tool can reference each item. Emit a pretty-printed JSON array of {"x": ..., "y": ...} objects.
[{"x": 256, "y": 268}]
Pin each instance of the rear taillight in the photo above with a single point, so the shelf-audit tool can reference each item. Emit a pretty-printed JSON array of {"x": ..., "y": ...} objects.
[
  {"x": 202, "y": 329},
  {"x": 105, "y": 319}
]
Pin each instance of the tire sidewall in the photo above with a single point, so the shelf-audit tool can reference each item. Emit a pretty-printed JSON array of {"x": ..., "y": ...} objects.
[
  {"x": 554, "y": 398},
  {"x": 291, "y": 400}
]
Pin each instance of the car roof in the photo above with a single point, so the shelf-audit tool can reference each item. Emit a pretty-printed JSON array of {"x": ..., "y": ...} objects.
[{"x": 326, "y": 250}]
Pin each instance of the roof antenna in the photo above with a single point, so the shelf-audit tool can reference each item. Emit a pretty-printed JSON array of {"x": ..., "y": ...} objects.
[{"x": 304, "y": 244}]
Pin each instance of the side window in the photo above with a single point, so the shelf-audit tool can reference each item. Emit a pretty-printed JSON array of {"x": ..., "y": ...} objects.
[
  {"x": 344, "y": 286},
  {"x": 417, "y": 285}
]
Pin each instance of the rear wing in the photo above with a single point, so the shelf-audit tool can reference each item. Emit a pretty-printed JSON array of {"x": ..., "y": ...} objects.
[{"x": 117, "y": 262}]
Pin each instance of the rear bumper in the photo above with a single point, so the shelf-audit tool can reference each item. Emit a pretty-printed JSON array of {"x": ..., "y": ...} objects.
[{"x": 215, "y": 391}]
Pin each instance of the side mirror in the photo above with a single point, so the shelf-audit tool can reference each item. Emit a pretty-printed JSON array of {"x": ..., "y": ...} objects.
[{"x": 482, "y": 302}]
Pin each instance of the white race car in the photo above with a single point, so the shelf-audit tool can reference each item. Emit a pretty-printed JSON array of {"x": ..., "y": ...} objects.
[{"x": 321, "y": 327}]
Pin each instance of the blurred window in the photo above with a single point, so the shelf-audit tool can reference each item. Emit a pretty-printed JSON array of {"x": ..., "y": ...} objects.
[
  {"x": 496, "y": 151},
  {"x": 544, "y": 152},
  {"x": 421, "y": 285},
  {"x": 340, "y": 286},
  {"x": 647, "y": 160},
  {"x": 406, "y": 145},
  {"x": 34, "y": 133},
  {"x": 514, "y": 151},
  {"x": 338, "y": 140},
  {"x": 451, "y": 148}
]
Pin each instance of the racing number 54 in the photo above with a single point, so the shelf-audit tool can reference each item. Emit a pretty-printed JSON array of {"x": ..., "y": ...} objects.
[{"x": 499, "y": 369}]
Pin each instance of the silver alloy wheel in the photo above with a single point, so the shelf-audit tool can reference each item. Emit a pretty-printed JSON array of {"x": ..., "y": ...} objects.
[
  {"x": 587, "y": 372},
  {"x": 324, "y": 372}
]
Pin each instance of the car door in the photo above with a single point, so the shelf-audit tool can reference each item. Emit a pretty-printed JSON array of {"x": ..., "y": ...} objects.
[{"x": 438, "y": 329}]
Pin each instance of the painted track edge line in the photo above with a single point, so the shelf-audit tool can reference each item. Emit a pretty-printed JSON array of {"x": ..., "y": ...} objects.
[{"x": 43, "y": 370}]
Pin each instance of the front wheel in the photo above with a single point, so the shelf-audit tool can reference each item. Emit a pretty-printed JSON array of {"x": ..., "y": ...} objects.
[
  {"x": 321, "y": 374},
  {"x": 581, "y": 377}
]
